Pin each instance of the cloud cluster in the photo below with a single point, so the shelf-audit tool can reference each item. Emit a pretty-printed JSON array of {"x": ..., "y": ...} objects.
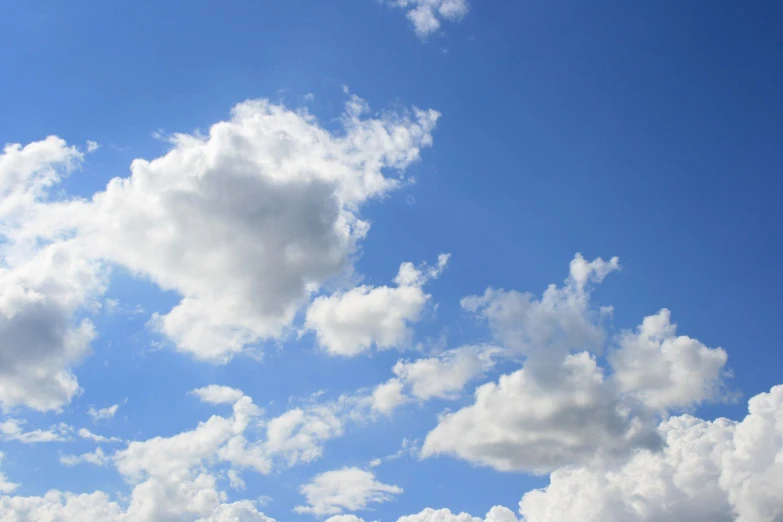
[
  {"x": 174, "y": 478},
  {"x": 708, "y": 471},
  {"x": 245, "y": 223},
  {"x": 346, "y": 489},
  {"x": 561, "y": 408}
]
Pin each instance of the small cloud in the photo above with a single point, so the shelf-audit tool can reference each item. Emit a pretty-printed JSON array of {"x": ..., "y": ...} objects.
[
  {"x": 103, "y": 413},
  {"x": 92, "y": 146}
]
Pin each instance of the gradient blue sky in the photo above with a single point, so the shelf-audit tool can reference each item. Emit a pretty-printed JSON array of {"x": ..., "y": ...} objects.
[{"x": 645, "y": 130}]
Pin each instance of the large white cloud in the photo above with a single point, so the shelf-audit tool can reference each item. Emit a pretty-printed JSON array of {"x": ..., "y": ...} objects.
[
  {"x": 561, "y": 408},
  {"x": 349, "y": 323},
  {"x": 708, "y": 472},
  {"x": 665, "y": 370},
  {"x": 244, "y": 223},
  {"x": 41, "y": 289},
  {"x": 346, "y": 489},
  {"x": 525, "y": 424}
]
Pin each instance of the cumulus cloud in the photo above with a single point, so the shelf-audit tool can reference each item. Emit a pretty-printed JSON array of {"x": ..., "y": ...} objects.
[
  {"x": 344, "y": 518},
  {"x": 441, "y": 376},
  {"x": 388, "y": 396},
  {"x": 174, "y": 479},
  {"x": 496, "y": 514},
  {"x": 103, "y": 413},
  {"x": 41, "y": 289},
  {"x": 346, "y": 489},
  {"x": 427, "y": 15},
  {"x": 215, "y": 394},
  {"x": 65, "y": 507},
  {"x": 245, "y": 224},
  {"x": 561, "y": 408},
  {"x": 709, "y": 471},
  {"x": 524, "y": 424},
  {"x": 446, "y": 374},
  {"x": 664, "y": 370},
  {"x": 241, "y": 511},
  {"x": 349, "y": 323}
]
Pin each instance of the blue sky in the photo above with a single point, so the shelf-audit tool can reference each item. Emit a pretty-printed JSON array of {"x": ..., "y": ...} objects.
[{"x": 646, "y": 131}]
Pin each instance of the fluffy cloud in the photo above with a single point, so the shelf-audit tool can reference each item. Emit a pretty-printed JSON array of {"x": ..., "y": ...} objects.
[
  {"x": 496, "y": 514},
  {"x": 445, "y": 375},
  {"x": 560, "y": 408},
  {"x": 344, "y": 518},
  {"x": 441, "y": 376},
  {"x": 525, "y": 424},
  {"x": 244, "y": 223},
  {"x": 426, "y": 15},
  {"x": 40, "y": 288},
  {"x": 349, "y": 323},
  {"x": 174, "y": 479},
  {"x": 65, "y": 507},
  {"x": 547, "y": 329},
  {"x": 242, "y": 511},
  {"x": 664, "y": 370},
  {"x": 708, "y": 471},
  {"x": 215, "y": 394},
  {"x": 387, "y": 396},
  {"x": 346, "y": 489}
]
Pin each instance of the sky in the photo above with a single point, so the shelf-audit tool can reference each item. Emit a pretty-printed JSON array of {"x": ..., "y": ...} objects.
[{"x": 390, "y": 260}]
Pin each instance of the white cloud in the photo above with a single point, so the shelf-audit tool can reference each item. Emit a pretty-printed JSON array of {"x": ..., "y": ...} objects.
[
  {"x": 63, "y": 507},
  {"x": 426, "y": 15},
  {"x": 496, "y": 514},
  {"x": 92, "y": 146},
  {"x": 41, "y": 341},
  {"x": 242, "y": 511},
  {"x": 445, "y": 375},
  {"x": 560, "y": 408},
  {"x": 387, "y": 396},
  {"x": 12, "y": 429},
  {"x": 40, "y": 288},
  {"x": 171, "y": 477},
  {"x": 664, "y": 370},
  {"x": 214, "y": 394},
  {"x": 97, "y": 458},
  {"x": 525, "y": 424},
  {"x": 267, "y": 204},
  {"x": 103, "y": 413},
  {"x": 349, "y": 323},
  {"x": 708, "y": 472},
  {"x": 344, "y": 518},
  {"x": 346, "y": 489},
  {"x": 547, "y": 329}
]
